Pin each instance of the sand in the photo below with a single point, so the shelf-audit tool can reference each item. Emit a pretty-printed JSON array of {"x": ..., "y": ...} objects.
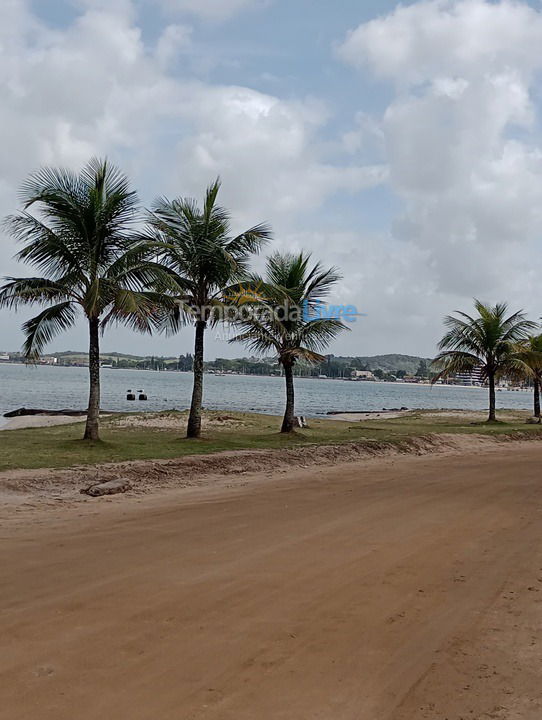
[
  {"x": 360, "y": 417},
  {"x": 397, "y": 588},
  {"x": 33, "y": 421},
  {"x": 161, "y": 421}
]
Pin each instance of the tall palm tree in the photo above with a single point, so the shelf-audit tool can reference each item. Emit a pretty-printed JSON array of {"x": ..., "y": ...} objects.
[
  {"x": 486, "y": 341},
  {"x": 204, "y": 259},
  {"x": 80, "y": 240},
  {"x": 284, "y": 316},
  {"x": 529, "y": 352}
]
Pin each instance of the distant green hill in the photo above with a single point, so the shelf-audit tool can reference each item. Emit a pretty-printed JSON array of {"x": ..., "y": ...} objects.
[
  {"x": 333, "y": 366},
  {"x": 111, "y": 355},
  {"x": 388, "y": 363}
]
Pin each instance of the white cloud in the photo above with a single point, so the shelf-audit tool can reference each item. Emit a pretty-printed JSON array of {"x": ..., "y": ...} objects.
[
  {"x": 96, "y": 87},
  {"x": 266, "y": 150},
  {"x": 175, "y": 39},
  {"x": 427, "y": 39},
  {"x": 462, "y": 138},
  {"x": 389, "y": 282},
  {"x": 458, "y": 143}
]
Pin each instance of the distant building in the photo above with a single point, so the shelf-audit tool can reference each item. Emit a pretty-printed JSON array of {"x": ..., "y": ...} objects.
[
  {"x": 474, "y": 377},
  {"x": 362, "y": 375},
  {"x": 4, "y": 357}
]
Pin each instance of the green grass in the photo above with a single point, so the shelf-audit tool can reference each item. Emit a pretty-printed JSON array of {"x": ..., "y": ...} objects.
[{"x": 61, "y": 446}]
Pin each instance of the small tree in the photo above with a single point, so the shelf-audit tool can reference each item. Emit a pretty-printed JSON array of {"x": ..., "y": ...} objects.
[
  {"x": 486, "y": 341},
  {"x": 282, "y": 319},
  {"x": 83, "y": 243},
  {"x": 203, "y": 259}
]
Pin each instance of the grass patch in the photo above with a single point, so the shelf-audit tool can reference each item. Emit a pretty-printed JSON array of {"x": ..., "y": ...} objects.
[{"x": 160, "y": 435}]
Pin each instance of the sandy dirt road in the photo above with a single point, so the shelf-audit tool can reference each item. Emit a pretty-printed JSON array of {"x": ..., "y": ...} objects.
[{"x": 390, "y": 589}]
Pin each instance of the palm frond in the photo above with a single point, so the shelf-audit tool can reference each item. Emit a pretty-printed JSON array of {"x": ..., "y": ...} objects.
[
  {"x": 277, "y": 318},
  {"x": 451, "y": 362},
  {"x": 83, "y": 242},
  {"x": 51, "y": 252},
  {"x": 44, "y": 327},
  {"x": 257, "y": 338},
  {"x": 488, "y": 340},
  {"x": 195, "y": 246},
  {"x": 250, "y": 241},
  {"x": 141, "y": 311},
  {"x": 27, "y": 291},
  {"x": 318, "y": 334}
]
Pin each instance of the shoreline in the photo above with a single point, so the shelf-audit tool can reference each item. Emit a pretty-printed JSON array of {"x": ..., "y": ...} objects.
[
  {"x": 24, "y": 422},
  {"x": 279, "y": 377}
]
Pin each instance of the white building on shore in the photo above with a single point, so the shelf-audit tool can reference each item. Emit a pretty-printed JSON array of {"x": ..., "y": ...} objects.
[
  {"x": 362, "y": 375},
  {"x": 474, "y": 377}
]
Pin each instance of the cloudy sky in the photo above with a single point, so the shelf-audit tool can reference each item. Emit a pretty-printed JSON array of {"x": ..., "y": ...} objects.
[{"x": 401, "y": 143}]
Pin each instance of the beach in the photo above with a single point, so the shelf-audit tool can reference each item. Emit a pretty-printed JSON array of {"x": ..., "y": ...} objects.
[
  {"x": 36, "y": 421},
  {"x": 400, "y": 587}
]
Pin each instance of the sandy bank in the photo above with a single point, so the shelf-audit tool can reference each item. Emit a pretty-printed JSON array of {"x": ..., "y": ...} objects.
[
  {"x": 160, "y": 421},
  {"x": 360, "y": 417},
  {"x": 32, "y": 421}
]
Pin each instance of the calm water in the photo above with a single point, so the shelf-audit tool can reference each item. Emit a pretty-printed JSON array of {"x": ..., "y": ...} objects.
[{"x": 62, "y": 387}]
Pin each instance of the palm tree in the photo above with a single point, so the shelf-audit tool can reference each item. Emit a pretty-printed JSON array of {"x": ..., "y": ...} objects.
[
  {"x": 204, "y": 259},
  {"x": 284, "y": 316},
  {"x": 529, "y": 352},
  {"x": 81, "y": 242},
  {"x": 486, "y": 341}
]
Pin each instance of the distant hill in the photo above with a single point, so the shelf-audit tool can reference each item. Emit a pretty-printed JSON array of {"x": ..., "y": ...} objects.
[
  {"x": 388, "y": 363},
  {"x": 110, "y": 355},
  {"x": 333, "y": 366}
]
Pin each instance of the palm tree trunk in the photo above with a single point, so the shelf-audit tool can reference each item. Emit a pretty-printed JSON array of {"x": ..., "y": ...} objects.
[
  {"x": 193, "y": 429},
  {"x": 537, "y": 397},
  {"x": 288, "y": 421},
  {"x": 492, "y": 416},
  {"x": 93, "y": 412}
]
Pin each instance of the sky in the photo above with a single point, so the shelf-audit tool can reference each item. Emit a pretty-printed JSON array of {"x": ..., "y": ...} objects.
[{"x": 399, "y": 142}]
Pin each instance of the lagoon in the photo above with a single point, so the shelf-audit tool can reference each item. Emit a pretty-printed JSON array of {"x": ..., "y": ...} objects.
[{"x": 67, "y": 387}]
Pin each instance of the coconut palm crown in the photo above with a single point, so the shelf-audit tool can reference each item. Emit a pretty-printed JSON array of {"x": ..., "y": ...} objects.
[
  {"x": 204, "y": 259},
  {"x": 283, "y": 317},
  {"x": 81, "y": 240},
  {"x": 487, "y": 341}
]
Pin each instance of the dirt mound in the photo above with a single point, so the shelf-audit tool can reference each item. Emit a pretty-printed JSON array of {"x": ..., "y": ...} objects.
[{"x": 194, "y": 470}]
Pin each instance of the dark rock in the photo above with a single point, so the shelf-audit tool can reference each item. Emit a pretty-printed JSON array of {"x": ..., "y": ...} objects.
[{"x": 38, "y": 411}]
